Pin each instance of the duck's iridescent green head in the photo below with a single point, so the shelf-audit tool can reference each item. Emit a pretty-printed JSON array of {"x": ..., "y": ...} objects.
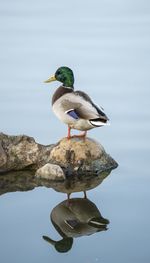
[{"x": 64, "y": 75}]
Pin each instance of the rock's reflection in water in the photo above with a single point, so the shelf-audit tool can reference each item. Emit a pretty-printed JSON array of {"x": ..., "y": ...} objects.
[
  {"x": 80, "y": 183},
  {"x": 26, "y": 180},
  {"x": 75, "y": 218}
]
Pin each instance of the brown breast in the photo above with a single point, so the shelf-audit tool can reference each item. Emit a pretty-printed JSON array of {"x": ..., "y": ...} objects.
[{"x": 60, "y": 92}]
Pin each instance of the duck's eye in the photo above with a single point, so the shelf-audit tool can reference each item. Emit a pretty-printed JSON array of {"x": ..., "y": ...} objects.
[{"x": 58, "y": 73}]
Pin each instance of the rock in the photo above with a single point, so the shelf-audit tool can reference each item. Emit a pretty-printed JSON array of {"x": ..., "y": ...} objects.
[
  {"x": 75, "y": 150},
  {"x": 81, "y": 155},
  {"x": 72, "y": 157},
  {"x": 50, "y": 172},
  {"x": 3, "y": 157},
  {"x": 20, "y": 152}
]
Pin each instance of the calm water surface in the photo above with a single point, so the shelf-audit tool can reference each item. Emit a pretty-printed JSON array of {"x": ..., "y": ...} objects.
[{"x": 107, "y": 44}]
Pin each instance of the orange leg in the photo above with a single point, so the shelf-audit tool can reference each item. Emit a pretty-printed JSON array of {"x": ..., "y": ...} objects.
[
  {"x": 69, "y": 133},
  {"x": 82, "y": 135}
]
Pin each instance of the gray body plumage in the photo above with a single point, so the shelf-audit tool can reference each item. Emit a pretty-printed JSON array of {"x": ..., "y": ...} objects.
[{"x": 88, "y": 114}]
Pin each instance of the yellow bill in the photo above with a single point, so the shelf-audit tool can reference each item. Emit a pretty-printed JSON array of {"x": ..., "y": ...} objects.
[{"x": 52, "y": 78}]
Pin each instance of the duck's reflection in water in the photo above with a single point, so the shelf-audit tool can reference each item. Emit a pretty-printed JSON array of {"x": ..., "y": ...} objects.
[
  {"x": 76, "y": 218},
  {"x": 71, "y": 218}
]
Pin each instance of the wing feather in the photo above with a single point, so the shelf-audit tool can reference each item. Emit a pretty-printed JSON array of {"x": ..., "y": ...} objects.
[{"x": 82, "y": 106}]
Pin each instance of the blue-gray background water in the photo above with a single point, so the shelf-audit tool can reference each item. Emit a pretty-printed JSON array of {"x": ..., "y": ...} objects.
[{"x": 107, "y": 44}]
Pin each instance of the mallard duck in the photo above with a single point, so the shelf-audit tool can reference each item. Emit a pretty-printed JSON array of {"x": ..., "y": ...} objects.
[
  {"x": 75, "y": 108},
  {"x": 81, "y": 218}
]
